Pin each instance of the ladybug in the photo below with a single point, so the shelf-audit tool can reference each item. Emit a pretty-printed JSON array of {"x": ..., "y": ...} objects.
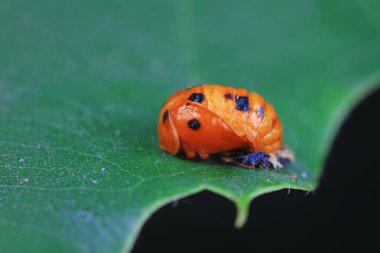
[{"x": 214, "y": 119}]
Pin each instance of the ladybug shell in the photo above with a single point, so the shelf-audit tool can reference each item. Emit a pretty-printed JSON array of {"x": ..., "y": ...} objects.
[{"x": 210, "y": 119}]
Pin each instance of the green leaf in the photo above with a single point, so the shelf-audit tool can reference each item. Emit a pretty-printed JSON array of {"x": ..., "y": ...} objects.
[{"x": 81, "y": 85}]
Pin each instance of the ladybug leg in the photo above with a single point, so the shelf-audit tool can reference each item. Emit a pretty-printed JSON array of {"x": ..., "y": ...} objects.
[
  {"x": 190, "y": 153},
  {"x": 248, "y": 160},
  {"x": 275, "y": 160},
  {"x": 232, "y": 160},
  {"x": 204, "y": 155},
  {"x": 256, "y": 159}
]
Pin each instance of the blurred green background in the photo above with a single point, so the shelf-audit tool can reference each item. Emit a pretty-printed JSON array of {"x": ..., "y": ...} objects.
[{"x": 81, "y": 85}]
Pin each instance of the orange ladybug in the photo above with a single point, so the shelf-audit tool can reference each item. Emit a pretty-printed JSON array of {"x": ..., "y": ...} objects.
[{"x": 215, "y": 119}]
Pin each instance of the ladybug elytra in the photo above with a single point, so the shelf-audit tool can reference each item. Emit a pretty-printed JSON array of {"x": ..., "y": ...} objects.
[{"x": 215, "y": 119}]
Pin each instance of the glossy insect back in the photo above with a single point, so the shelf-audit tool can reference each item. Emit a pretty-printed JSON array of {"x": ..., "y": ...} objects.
[{"x": 213, "y": 119}]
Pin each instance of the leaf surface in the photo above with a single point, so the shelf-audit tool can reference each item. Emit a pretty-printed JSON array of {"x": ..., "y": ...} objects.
[{"x": 81, "y": 85}]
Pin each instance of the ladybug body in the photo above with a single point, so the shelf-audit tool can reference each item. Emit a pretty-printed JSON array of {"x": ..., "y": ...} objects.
[{"x": 210, "y": 119}]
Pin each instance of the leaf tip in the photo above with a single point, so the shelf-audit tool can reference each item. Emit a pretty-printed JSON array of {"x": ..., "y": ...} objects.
[{"x": 242, "y": 212}]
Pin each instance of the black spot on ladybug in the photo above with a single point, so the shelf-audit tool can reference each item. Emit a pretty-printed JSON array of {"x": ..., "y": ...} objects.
[
  {"x": 187, "y": 104},
  {"x": 228, "y": 96},
  {"x": 194, "y": 124},
  {"x": 242, "y": 103},
  {"x": 197, "y": 97},
  {"x": 165, "y": 116}
]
